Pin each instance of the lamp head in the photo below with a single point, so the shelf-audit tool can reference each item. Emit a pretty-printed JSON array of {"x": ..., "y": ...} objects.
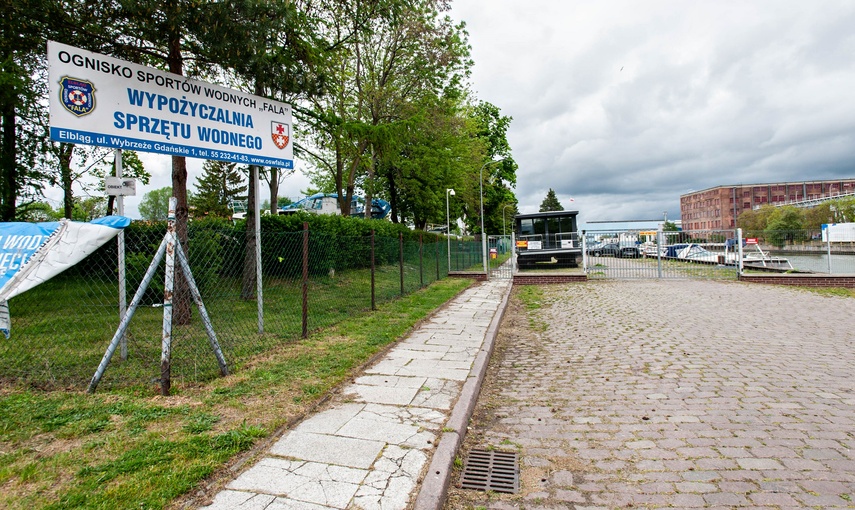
[{"x": 450, "y": 191}]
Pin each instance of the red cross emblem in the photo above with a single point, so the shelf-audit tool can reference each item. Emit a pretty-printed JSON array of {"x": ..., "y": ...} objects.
[{"x": 280, "y": 133}]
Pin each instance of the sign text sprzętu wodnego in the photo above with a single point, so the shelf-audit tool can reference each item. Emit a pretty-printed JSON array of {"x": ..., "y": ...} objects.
[{"x": 100, "y": 100}]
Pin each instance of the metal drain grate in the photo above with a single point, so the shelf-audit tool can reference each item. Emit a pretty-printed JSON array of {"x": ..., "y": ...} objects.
[{"x": 491, "y": 471}]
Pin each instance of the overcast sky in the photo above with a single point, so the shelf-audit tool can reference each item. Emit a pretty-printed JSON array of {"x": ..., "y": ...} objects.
[{"x": 622, "y": 106}]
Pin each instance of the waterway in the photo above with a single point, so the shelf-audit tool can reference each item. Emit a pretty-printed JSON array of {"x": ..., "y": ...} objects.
[{"x": 818, "y": 263}]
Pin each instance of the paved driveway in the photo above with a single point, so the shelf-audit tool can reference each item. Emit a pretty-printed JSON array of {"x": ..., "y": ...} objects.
[{"x": 687, "y": 394}]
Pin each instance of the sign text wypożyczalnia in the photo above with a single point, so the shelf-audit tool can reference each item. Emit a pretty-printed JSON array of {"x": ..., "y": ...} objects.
[{"x": 100, "y": 100}]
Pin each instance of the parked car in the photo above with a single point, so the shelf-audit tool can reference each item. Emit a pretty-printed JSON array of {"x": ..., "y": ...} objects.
[{"x": 615, "y": 250}]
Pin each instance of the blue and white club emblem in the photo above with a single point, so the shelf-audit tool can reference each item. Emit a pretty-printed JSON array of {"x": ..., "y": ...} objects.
[{"x": 78, "y": 96}]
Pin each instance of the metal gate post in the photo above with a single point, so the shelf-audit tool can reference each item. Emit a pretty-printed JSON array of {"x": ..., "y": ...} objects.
[
  {"x": 305, "y": 284},
  {"x": 659, "y": 245},
  {"x": 828, "y": 248},
  {"x": 739, "y": 267},
  {"x": 584, "y": 244},
  {"x": 373, "y": 301},
  {"x": 513, "y": 254}
]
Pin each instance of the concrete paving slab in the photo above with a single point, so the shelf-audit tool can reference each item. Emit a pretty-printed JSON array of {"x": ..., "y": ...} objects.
[
  {"x": 392, "y": 481},
  {"x": 329, "y": 421},
  {"x": 391, "y": 381},
  {"x": 382, "y": 394},
  {"x": 376, "y": 428},
  {"x": 328, "y": 448},
  {"x": 307, "y": 482},
  {"x": 416, "y": 354},
  {"x": 424, "y": 370},
  {"x": 371, "y": 445},
  {"x": 437, "y": 394}
]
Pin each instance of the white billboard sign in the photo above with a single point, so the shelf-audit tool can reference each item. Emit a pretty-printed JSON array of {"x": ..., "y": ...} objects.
[
  {"x": 838, "y": 232},
  {"x": 100, "y": 100}
]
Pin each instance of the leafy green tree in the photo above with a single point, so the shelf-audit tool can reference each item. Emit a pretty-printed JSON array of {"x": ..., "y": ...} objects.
[
  {"x": 669, "y": 226},
  {"x": 430, "y": 156},
  {"x": 551, "y": 203},
  {"x": 499, "y": 178},
  {"x": 24, "y": 27},
  {"x": 154, "y": 205},
  {"x": 37, "y": 212},
  {"x": 753, "y": 222},
  {"x": 395, "y": 56},
  {"x": 843, "y": 210},
  {"x": 784, "y": 224},
  {"x": 89, "y": 208},
  {"x": 220, "y": 183},
  {"x": 815, "y": 217}
]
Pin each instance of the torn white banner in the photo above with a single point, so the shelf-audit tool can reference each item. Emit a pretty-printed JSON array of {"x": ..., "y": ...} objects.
[{"x": 33, "y": 253}]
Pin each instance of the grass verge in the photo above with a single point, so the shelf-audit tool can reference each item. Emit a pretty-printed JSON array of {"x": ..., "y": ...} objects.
[{"x": 128, "y": 449}]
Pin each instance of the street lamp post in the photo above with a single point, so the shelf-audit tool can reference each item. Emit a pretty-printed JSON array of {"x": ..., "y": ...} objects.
[
  {"x": 448, "y": 191},
  {"x": 484, "y": 234},
  {"x": 504, "y": 233}
]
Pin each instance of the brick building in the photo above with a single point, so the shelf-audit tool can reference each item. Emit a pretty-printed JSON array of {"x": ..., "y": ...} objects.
[{"x": 718, "y": 208}]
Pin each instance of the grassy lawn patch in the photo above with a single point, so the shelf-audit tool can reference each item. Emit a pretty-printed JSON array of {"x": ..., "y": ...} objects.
[{"x": 128, "y": 448}]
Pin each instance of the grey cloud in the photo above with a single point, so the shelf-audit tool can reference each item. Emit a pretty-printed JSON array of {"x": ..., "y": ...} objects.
[{"x": 710, "y": 94}]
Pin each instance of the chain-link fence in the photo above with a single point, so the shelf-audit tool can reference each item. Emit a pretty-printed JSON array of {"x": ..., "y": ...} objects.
[
  {"x": 466, "y": 254},
  {"x": 813, "y": 251},
  {"x": 716, "y": 254},
  {"x": 311, "y": 280}
]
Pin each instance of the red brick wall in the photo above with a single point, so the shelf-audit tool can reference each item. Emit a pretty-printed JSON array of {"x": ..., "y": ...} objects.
[
  {"x": 543, "y": 279},
  {"x": 478, "y": 277},
  {"x": 802, "y": 280}
]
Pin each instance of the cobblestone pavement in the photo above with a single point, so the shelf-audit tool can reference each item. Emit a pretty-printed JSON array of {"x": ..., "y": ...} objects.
[{"x": 687, "y": 394}]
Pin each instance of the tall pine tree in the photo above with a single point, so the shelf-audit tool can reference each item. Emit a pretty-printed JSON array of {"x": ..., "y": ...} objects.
[
  {"x": 551, "y": 203},
  {"x": 220, "y": 183}
]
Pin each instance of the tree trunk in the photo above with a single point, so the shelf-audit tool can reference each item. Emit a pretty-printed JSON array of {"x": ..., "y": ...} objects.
[
  {"x": 249, "y": 281},
  {"x": 111, "y": 199},
  {"x": 8, "y": 164},
  {"x": 393, "y": 197},
  {"x": 66, "y": 150},
  {"x": 369, "y": 185},
  {"x": 274, "y": 191},
  {"x": 181, "y": 295}
]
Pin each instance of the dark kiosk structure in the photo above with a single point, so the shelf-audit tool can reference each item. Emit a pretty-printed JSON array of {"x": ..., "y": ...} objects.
[{"x": 547, "y": 239}]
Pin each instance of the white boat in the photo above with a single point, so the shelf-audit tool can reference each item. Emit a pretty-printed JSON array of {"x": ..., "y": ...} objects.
[
  {"x": 763, "y": 259},
  {"x": 758, "y": 259}
]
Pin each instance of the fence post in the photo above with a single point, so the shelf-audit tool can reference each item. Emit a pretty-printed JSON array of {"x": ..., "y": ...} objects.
[
  {"x": 436, "y": 254},
  {"x": 169, "y": 281},
  {"x": 305, "y": 279},
  {"x": 123, "y": 294},
  {"x": 828, "y": 247},
  {"x": 373, "y": 303},
  {"x": 739, "y": 257},
  {"x": 659, "y": 245},
  {"x": 401, "y": 259},
  {"x": 421, "y": 263},
  {"x": 513, "y": 253},
  {"x": 584, "y": 244}
]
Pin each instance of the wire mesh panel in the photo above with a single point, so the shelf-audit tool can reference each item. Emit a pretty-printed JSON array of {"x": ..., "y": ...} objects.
[
  {"x": 500, "y": 256},
  {"x": 830, "y": 250},
  {"x": 633, "y": 254},
  {"x": 466, "y": 255},
  {"x": 61, "y": 329}
]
